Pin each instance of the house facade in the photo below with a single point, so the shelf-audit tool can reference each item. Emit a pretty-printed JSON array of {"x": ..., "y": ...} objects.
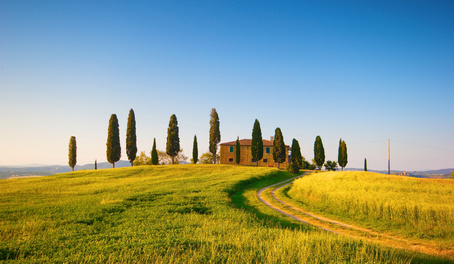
[{"x": 228, "y": 153}]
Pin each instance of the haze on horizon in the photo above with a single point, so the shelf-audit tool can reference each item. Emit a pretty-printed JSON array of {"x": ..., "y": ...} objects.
[{"x": 360, "y": 71}]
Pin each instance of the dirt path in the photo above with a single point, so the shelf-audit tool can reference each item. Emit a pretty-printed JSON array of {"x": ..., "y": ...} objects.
[{"x": 267, "y": 195}]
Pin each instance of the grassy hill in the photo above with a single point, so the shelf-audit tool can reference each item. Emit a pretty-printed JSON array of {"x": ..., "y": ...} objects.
[
  {"x": 166, "y": 214},
  {"x": 8, "y": 172},
  {"x": 416, "y": 208}
]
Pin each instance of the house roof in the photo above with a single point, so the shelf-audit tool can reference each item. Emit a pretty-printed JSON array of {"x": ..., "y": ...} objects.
[{"x": 248, "y": 142}]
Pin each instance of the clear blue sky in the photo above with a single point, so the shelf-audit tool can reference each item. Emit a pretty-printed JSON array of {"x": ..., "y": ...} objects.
[{"x": 364, "y": 71}]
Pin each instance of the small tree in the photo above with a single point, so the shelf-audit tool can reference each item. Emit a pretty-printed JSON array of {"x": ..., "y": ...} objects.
[
  {"x": 237, "y": 151},
  {"x": 96, "y": 164},
  {"x": 342, "y": 155},
  {"x": 296, "y": 154},
  {"x": 113, "y": 141},
  {"x": 215, "y": 133},
  {"x": 72, "y": 153},
  {"x": 257, "y": 142},
  {"x": 154, "y": 154},
  {"x": 319, "y": 152},
  {"x": 331, "y": 165},
  {"x": 142, "y": 159},
  {"x": 279, "y": 154},
  {"x": 207, "y": 158},
  {"x": 131, "y": 140},
  {"x": 365, "y": 164},
  {"x": 173, "y": 139},
  {"x": 293, "y": 168},
  {"x": 308, "y": 166},
  {"x": 195, "y": 151},
  {"x": 166, "y": 159}
]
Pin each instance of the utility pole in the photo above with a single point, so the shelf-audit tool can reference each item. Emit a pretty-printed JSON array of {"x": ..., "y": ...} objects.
[{"x": 389, "y": 158}]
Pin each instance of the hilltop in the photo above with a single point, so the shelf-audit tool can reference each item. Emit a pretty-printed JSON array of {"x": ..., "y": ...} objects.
[
  {"x": 37, "y": 170},
  {"x": 434, "y": 174}
]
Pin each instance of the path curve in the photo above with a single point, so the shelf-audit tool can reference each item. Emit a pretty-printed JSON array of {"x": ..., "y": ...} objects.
[{"x": 346, "y": 229}]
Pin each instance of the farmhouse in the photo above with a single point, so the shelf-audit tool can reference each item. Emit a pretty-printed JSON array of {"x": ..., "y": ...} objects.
[{"x": 228, "y": 153}]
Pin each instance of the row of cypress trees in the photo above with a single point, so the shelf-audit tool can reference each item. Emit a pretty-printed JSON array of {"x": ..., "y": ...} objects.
[
  {"x": 113, "y": 151},
  {"x": 319, "y": 153},
  {"x": 279, "y": 151},
  {"x": 113, "y": 147}
]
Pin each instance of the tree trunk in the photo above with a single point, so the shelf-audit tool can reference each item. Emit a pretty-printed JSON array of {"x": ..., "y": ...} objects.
[
  {"x": 132, "y": 164},
  {"x": 278, "y": 165},
  {"x": 214, "y": 158},
  {"x": 113, "y": 165},
  {"x": 342, "y": 168},
  {"x": 72, "y": 168},
  {"x": 257, "y": 162},
  {"x": 173, "y": 160}
]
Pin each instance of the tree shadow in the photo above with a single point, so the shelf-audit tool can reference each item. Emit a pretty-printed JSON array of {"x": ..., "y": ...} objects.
[{"x": 239, "y": 201}]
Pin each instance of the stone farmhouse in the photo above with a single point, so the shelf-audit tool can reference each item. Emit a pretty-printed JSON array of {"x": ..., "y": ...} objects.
[{"x": 228, "y": 153}]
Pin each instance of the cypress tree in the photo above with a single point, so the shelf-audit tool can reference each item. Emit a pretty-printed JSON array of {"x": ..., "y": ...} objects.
[
  {"x": 131, "y": 140},
  {"x": 72, "y": 154},
  {"x": 96, "y": 164},
  {"x": 257, "y": 142},
  {"x": 113, "y": 141},
  {"x": 296, "y": 153},
  {"x": 215, "y": 133},
  {"x": 365, "y": 164},
  {"x": 342, "y": 157},
  {"x": 237, "y": 151},
  {"x": 195, "y": 151},
  {"x": 319, "y": 152},
  {"x": 173, "y": 139},
  {"x": 154, "y": 154},
  {"x": 279, "y": 154}
]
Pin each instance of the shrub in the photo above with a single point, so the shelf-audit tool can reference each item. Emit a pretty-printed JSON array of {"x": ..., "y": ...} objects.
[{"x": 293, "y": 168}]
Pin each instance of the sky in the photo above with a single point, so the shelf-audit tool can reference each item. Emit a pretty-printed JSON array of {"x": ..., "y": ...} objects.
[{"x": 363, "y": 71}]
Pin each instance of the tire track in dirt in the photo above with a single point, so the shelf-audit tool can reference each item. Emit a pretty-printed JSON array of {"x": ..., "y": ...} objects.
[{"x": 341, "y": 228}]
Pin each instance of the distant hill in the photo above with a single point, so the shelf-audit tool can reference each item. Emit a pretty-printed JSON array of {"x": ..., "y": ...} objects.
[
  {"x": 434, "y": 174},
  {"x": 36, "y": 170},
  {"x": 7, "y": 172}
]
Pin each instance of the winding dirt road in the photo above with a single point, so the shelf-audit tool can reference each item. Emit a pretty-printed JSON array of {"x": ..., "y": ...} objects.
[{"x": 267, "y": 195}]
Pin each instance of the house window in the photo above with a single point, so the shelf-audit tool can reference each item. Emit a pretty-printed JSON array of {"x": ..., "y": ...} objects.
[
  {"x": 265, "y": 160},
  {"x": 230, "y": 160},
  {"x": 231, "y": 148},
  {"x": 267, "y": 150}
]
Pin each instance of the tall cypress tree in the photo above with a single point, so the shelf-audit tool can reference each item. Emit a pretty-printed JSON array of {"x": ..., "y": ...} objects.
[
  {"x": 173, "y": 139},
  {"x": 195, "y": 151},
  {"x": 154, "y": 154},
  {"x": 279, "y": 154},
  {"x": 365, "y": 164},
  {"x": 72, "y": 153},
  {"x": 237, "y": 151},
  {"x": 113, "y": 141},
  {"x": 342, "y": 157},
  {"x": 257, "y": 142},
  {"x": 319, "y": 152},
  {"x": 131, "y": 140},
  {"x": 296, "y": 153},
  {"x": 215, "y": 133}
]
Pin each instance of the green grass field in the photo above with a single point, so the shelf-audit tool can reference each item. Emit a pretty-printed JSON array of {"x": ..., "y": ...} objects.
[
  {"x": 166, "y": 214},
  {"x": 410, "y": 207}
]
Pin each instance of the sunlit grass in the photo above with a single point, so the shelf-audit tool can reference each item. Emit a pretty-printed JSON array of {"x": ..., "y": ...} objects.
[
  {"x": 165, "y": 214},
  {"x": 420, "y": 208}
]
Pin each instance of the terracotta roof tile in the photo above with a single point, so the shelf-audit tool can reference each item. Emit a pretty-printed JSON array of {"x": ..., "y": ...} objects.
[{"x": 248, "y": 142}]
